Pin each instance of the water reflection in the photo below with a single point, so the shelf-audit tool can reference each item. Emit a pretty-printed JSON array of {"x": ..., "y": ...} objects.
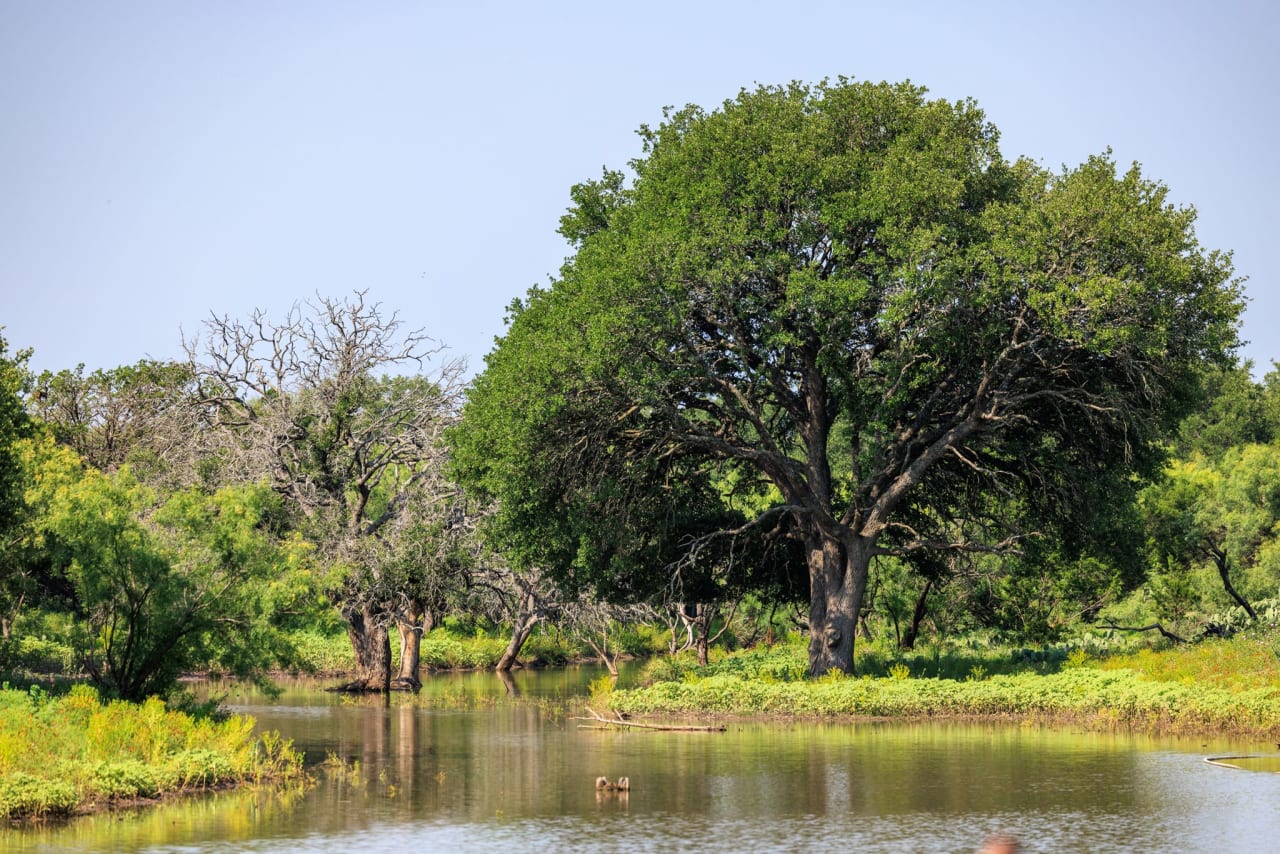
[{"x": 472, "y": 763}]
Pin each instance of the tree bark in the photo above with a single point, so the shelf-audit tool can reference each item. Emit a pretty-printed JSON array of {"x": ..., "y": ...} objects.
[
  {"x": 521, "y": 627},
  {"x": 837, "y": 582},
  {"x": 415, "y": 622},
  {"x": 917, "y": 617},
  {"x": 1224, "y": 572},
  {"x": 371, "y": 644},
  {"x": 704, "y": 634}
]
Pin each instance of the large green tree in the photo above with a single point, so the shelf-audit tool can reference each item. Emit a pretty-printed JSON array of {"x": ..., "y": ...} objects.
[{"x": 846, "y": 291}]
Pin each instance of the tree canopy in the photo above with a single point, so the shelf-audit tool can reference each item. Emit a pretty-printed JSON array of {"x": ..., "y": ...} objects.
[{"x": 843, "y": 298}]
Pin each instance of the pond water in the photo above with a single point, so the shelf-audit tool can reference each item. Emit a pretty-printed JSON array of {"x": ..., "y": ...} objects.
[{"x": 472, "y": 764}]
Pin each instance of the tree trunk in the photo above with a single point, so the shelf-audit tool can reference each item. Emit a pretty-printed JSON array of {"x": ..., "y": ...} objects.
[
  {"x": 703, "y": 616},
  {"x": 521, "y": 626},
  {"x": 371, "y": 644},
  {"x": 704, "y": 641},
  {"x": 837, "y": 582},
  {"x": 412, "y": 625},
  {"x": 917, "y": 617},
  {"x": 1224, "y": 572}
]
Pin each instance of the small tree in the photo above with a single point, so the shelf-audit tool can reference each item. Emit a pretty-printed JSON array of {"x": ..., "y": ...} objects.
[
  {"x": 1222, "y": 514},
  {"x": 163, "y": 586}
]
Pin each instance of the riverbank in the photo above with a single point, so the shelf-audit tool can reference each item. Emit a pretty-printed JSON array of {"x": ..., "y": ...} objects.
[
  {"x": 1098, "y": 694},
  {"x": 72, "y": 754}
]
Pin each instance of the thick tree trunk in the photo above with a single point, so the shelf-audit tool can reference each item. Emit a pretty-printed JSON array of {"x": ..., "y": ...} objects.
[
  {"x": 371, "y": 644},
  {"x": 917, "y": 617},
  {"x": 837, "y": 583}
]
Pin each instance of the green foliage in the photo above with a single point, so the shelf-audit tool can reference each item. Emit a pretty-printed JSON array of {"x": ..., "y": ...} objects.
[
  {"x": 443, "y": 652},
  {"x": 1221, "y": 514},
  {"x": 1104, "y": 698},
  {"x": 1237, "y": 412},
  {"x": 17, "y": 571},
  {"x": 1248, "y": 661},
  {"x": 601, "y": 687},
  {"x": 58, "y": 753},
  {"x": 321, "y": 652},
  {"x": 26, "y": 795},
  {"x": 163, "y": 585},
  {"x": 843, "y": 298},
  {"x": 130, "y": 414}
]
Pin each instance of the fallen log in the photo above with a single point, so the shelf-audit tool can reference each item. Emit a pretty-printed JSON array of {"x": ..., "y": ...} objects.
[{"x": 618, "y": 720}]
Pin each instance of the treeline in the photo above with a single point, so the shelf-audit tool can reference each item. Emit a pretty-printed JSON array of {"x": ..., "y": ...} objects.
[
  {"x": 155, "y": 534},
  {"x": 826, "y": 360},
  {"x": 283, "y": 480}
]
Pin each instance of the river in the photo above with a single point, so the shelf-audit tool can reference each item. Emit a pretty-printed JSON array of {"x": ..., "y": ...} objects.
[{"x": 471, "y": 764}]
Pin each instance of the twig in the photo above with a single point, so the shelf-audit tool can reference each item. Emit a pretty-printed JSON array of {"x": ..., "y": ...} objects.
[{"x": 1161, "y": 629}]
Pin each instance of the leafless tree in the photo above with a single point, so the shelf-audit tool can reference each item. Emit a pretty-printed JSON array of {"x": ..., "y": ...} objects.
[
  {"x": 142, "y": 414},
  {"x": 311, "y": 403}
]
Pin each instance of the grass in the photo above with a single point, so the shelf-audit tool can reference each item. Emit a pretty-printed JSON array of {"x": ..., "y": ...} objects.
[
  {"x": 1216, "y": 685},
  {"x": 73, "y": 753}
]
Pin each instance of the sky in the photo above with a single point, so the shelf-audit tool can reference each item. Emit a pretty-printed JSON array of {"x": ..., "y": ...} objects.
[{"x": 162, "y": 162}]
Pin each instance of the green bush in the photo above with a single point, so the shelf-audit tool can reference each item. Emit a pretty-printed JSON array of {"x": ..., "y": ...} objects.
[
  {"x": 320, "y": 652},
  {"x": 54, "y": 745},
  {"x": 39, "y": 655},
  {"x": 24, "y": 794},
  {"x": 128, "y": 778}
]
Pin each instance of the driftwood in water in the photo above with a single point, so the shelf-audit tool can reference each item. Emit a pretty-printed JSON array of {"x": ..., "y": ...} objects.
[{"x": 623, "y": 722}]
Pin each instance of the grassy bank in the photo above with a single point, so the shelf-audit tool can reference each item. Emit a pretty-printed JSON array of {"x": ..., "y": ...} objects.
[
  {"x": 326, "y": 650},
  {"x": 1186, "y": 689},
  {"x": 73, "y": 753}
]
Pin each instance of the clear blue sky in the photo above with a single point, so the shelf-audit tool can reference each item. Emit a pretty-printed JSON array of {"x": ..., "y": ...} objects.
[{"x": 160, "y": 161}]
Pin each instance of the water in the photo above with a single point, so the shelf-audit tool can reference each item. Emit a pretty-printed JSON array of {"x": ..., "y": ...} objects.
[{"x": 468, "y": 766}]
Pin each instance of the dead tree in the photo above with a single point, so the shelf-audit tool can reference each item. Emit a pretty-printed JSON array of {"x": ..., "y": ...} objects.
[{"x": 310, "y": 403}]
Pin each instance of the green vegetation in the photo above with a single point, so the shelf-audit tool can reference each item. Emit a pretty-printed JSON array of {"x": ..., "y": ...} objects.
[
  {"x": 823, "y": 360},
  {"x": 60, "y": 755},
  {"x": 1219, "y": 685},
  {"x": 824, "y": 326}
]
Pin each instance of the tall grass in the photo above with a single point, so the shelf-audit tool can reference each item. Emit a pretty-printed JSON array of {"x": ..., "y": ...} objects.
[
  {"x": 1218, "y": 684},
  {"x": 73, "y": 752},
  {"x": 1085, "y": 695}
]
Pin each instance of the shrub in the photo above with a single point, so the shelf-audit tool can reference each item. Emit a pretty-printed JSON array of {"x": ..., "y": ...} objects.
[
  {"x": 56, "y": 752},
  {"x": 27, "y": 795}
]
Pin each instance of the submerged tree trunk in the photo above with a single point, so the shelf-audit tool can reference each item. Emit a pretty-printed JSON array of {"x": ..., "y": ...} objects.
[
  {"x": 522, "y": 623},
  {"x": 371, "y": 644},
  {"x": 837, "y": 582},
  {"x": 412, "y": 624}
]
